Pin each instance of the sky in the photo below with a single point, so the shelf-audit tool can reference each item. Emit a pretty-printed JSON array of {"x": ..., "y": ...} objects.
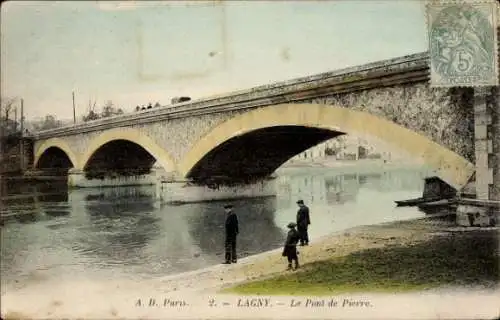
[{"x": 133, "y": 53}]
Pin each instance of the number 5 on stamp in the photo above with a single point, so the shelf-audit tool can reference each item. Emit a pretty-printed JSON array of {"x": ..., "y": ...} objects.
[{"x": 463, "y": 44}]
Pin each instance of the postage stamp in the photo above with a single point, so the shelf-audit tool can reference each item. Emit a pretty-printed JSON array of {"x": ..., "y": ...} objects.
[{"x": 463, "y": 45}]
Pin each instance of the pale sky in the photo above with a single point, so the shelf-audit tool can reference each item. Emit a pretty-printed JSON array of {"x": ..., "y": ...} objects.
[{"x": 152, "y": 51}]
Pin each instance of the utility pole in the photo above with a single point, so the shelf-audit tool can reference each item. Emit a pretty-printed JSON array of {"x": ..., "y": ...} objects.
[
  {"x": 22, "y": 117},
  {"x": 1, "y": 148},
  {"x": 74, "y": 112},
  {"x": 21, "y": 146},
  {"x": 15, "y": 120}
]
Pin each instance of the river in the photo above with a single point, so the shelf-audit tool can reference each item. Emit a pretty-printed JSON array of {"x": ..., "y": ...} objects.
[{"x": 124, "y": 233}]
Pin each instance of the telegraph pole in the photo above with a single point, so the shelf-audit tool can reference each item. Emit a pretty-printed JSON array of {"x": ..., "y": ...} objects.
[
  {"x": 15, "y": 120},
  {"x": 74, "y": 112},
  {"x": 22, "y": 117},
  {"x": 21, "y": 151},
  {"x": 1, "y": 148}
]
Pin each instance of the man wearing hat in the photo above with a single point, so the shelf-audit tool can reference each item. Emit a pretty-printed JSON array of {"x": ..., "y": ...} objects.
[
  {"x": 231, "y": 233},
  {"x": 290, "y": 249},
  {"x": 303, "y": 222}
]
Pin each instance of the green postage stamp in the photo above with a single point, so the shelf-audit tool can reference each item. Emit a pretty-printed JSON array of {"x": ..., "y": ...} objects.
[{"x": 463, "y": 45}]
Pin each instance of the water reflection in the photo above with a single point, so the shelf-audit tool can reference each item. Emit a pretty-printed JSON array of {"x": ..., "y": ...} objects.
[
  {"x": 27, "y": 217},
  {"x": 343, "y": 200},
  {"x": 125, "y": 231},
  {"x": 133, "y": 231},
  {"x": 14, "y": 187},
  {"x": 120, "y": 224},
  {"x": 330, "y": 187},
  {"x": 258, "y": 231}
]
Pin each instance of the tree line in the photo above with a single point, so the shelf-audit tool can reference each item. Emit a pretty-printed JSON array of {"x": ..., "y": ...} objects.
[
  {"x": 107, "y": 110},
  {"x": 10, "y": 124},
  {"x": 10, "y": 117}
]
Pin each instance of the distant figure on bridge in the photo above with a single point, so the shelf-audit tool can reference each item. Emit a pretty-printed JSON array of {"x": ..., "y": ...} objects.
[
  {"x": 137, "y": 108},
  {"x": 303, "y": 222},
  {"x": 290, "y": 249},
  {"x": 179, "y": 100},
  {"x": 231, "y": 233}
]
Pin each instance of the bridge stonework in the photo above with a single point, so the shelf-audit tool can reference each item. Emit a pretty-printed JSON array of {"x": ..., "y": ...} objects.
[
  {"x": 371, "y": 99},
  {"x": 443, "y": 115}
]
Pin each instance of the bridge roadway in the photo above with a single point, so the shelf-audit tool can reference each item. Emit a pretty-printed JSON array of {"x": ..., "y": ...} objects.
[
  {"x": 331, "y": 88},
  {"x": 403, "y": 70}
]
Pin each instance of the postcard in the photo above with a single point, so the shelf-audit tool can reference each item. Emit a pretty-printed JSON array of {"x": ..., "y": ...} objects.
[{"x": 250, "y": 159}]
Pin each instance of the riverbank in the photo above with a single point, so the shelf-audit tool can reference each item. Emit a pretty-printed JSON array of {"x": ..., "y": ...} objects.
[
  {"x": 444, "y": 246},
  {"x": 118, "y": 298},
  {"x": 449, "y": 258}
]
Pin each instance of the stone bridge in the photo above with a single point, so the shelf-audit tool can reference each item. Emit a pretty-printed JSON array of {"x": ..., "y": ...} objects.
[{"x": 247, "y": 135}]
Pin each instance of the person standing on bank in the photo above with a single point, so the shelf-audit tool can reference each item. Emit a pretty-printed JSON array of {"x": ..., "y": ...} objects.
[
  {"x": 303, "y": 222},
  {"x": 231, "y": 233},
  {"x": 290, "y": 249}
]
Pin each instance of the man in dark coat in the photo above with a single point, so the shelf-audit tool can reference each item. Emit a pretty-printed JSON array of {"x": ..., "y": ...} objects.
[
  {"x": 303, "y": 221},
  {"x": 290, "y": 249},
  {"x": 231, "y": 233}
]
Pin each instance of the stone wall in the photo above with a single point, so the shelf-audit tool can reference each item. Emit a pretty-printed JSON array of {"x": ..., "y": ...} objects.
[
  {"x": 493, "y": 132},
  {"x": 176, "y": 135},
  {"x": 487, "y": 140},
  {"x": 17, "y": 156},
  {"x": 443, "y": 115}
]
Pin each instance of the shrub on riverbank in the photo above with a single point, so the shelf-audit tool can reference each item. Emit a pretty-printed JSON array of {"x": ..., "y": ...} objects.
[{"x": 455, "y": 259}]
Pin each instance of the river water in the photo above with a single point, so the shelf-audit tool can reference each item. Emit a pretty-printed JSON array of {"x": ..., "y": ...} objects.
[{"x": 124, "y": 233}]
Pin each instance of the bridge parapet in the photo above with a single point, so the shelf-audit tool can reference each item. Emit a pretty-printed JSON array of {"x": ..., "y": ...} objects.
[
  {"x": 407, "y": 69},
  {"x": 250, "y": 133}
]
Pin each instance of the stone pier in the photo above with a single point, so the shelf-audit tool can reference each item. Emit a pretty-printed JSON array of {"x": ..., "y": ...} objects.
[
  {"x": 179, "y": 192},
  {"x": 77, "y": 179},
  {"x": 487, "y": 157},
  {"x": 494, "y": 129},
  {"x": 486, "y": 136}
]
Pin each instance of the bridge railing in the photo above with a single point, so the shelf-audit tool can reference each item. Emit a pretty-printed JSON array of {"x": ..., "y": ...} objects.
[{"x": 261, "y": 95}]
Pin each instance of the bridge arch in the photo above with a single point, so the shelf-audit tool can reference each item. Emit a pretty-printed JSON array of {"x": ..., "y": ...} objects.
[
  {"x": 130, "y": 135},
  {"x": 55, "y": 143},
  {"x": 449, "y": 166}
]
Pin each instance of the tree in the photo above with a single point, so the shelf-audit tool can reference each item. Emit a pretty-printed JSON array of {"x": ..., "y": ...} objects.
[
  {"x": 91, "y": 115},
  {"x": 8, "y": 105},
  {"x": 362, "y": 152},
  {"x": 8, "y": 126},
  {"x": 109, "y": 110},
  {"x": 49, "y": 122},
  {"x": 329, "y": 151}
]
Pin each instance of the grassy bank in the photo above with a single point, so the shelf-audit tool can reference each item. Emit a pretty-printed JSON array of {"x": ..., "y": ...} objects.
[{"x": 467, "y": 258}]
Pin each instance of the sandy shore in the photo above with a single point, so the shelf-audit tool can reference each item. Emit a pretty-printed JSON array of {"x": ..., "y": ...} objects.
[
  {"x": 120, "y": 298},
  {"x": 272, "y": 263}
]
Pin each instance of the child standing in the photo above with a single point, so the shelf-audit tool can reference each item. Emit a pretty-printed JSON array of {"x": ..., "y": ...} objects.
[{"x": 290, "y": 249}]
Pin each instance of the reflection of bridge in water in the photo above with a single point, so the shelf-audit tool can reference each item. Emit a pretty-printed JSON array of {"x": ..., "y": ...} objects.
[
  {"x": 126, "y": 225},
  {"x": 126, "y": 230},
  {"x": 334, "y": 187}
]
